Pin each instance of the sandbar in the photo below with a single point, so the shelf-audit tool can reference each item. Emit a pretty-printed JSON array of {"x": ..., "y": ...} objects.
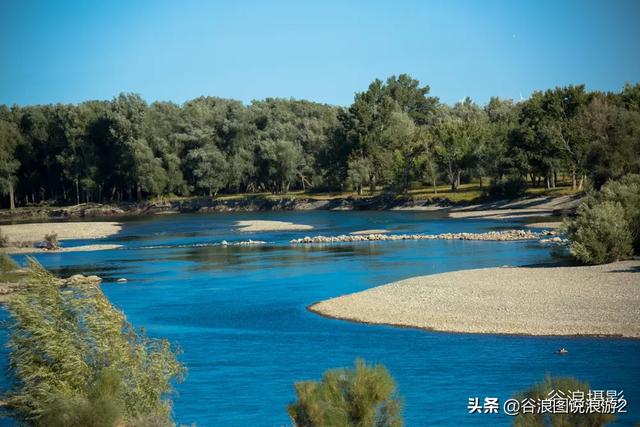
[{"x": 599, "y": 300}]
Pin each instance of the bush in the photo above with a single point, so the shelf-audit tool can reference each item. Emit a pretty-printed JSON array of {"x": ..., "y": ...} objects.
[
  {"x": 364, "y": 396},
  {"x": 508, "y": 188},
  {"x": 566, "y": 386},
  {"x": 626, "y": 191},
  {"x": 607, "y": 225},
  {"x": 600, "y": 233},
  {"x": 100, "y": 405},
  {"x": 7, "y": 264},
  {"x": 77, "y": 361},
  {"x": 51, "y": 240},
  {"x": 4, "y": 240}
]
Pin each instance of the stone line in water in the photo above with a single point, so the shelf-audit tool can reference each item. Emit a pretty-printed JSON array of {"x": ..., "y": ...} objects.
[{"x": 507, "y": 235}]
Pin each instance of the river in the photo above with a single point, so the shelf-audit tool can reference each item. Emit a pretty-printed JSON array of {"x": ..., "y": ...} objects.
[{"x": 239, "y": 315}]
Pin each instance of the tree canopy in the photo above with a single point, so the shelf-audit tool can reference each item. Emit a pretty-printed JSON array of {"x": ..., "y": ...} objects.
[{"x": 394, "y": 135}]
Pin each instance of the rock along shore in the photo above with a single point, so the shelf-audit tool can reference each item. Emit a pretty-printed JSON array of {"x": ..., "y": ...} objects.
[{"x": 507, "y": 235}]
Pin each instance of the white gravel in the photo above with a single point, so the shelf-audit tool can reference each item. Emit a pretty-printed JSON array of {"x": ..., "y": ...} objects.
[
  {"x": 35, "y": 232},
  {"x": 84, "y": 248},
  {"x": 367, "y": 232},
  {"x": 257, "y": 225},
  {"x": 597, "y": 300},
  {"x": 547, "y": 225}
]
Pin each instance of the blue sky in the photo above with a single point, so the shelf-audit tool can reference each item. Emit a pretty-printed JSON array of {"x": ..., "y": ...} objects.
[{"x": 324, "y": 51}]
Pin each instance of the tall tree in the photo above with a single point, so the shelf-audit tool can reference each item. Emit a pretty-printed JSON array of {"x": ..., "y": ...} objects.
[{"x": 10, "y": 138}]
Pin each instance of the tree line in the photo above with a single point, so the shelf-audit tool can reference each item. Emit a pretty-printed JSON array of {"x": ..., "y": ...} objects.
[{"x": 394, "y": 135}]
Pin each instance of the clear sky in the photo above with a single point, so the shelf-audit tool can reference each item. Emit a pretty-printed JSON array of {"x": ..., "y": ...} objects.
[{"x": 324, "y": 51}]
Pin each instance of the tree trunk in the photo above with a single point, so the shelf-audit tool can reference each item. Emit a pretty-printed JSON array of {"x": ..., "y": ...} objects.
[
  {"x": 77, "y": 191},
  {"x": 574, "y": 183},
  {"x": 372, "y": 183},
  {"x": 480, "y": 181},
  {"x": 455, "y": 181},
  {"x": 435, "y": 189},
  {"x": 581, "y": 183},
  {"x": 12, "y": 203}
]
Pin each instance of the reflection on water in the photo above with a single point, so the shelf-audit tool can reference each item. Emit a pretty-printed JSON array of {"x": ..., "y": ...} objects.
[{"x": 239, "y": 314}]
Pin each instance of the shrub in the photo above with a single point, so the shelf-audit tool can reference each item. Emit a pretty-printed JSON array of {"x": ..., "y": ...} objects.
[
  {"x": 566, "y": 386},
  {"x": 7, "y": 264},
  {"x": 4, "y": 240},
  {"x": 77, "y": 360},
  {"x": 364, "y": 396},
  {"x": 607, "y": 225},
  {"x": 600, "y": 233},
  {"x": 626, "y": 191},
  {"x": 100, "y": 405},
  {"x": 509, "y": 188},
  {"x": 51, "y": 240}
]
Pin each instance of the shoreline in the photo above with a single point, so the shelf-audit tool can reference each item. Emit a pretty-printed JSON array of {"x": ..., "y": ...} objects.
[
  {"x": 35, "y": 231},
  {"x": 25, "y": 238},
  {"x": 528, "y": 206},
  {"x": 527, "y": 301},
  {"x": 83, "y": 248},
  {"x": 312, "y": 309}
]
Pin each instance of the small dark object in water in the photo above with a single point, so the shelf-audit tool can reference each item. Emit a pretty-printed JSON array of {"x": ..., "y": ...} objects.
[{"x": 562, "y": 351}]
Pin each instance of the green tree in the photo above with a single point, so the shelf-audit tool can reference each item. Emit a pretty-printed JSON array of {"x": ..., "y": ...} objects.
[
  {"x": 459, "y": 135},
  {"x": 360, "y": 397},
  {"x": 502, "y": 116},
  {"x": 209, "y": 167},
  {"x": 281, "y": 162},
  {"x": 359, "y": 173},
  {"x": 400, "y": 136},
  {"x": 10, "y": 137}
]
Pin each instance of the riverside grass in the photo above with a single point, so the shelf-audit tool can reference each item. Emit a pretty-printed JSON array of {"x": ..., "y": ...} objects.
[{"x": 67, "y": 342}]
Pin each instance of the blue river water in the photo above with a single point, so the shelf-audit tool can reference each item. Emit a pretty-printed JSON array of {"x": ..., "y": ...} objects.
[{"x": 239, "y": 315}]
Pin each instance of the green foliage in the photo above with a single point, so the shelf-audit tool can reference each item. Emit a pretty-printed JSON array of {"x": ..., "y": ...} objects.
[
  {"x": 566, "y": 385},
  {"x": 510, "y": 187},
  {"x": 359, "y": 174},
  {"x": 360, "y": 397},
  {"x": 125, "y": 149},
  {"x": 600, "y": 233},
  {"x": 626, "y": 191},
  {"x": 7, "y": 264},
  {"x": 78, "y": 361},
  {"x": 607, "y": 224},
  {"x": 100, "y": 405},
  {"x": 209, "y": 168},
  {"x": 4, "y": 240}
]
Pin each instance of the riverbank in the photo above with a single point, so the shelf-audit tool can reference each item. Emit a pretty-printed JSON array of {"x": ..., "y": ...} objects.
[
  {"x": 595, "y": 301},
  {"x": 35, "y": 232},
  {"x": 12, "y": 250},
  {"x": 456, "y": 204}
]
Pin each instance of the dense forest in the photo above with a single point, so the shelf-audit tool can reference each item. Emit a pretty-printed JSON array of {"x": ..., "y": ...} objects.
[{"x": 394, "y": 136}]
